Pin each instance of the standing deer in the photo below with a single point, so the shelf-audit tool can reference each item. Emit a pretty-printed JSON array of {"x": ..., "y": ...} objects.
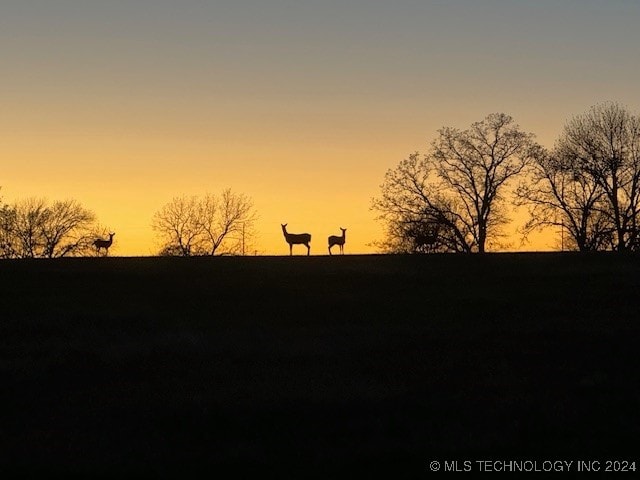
[
  {"x": 296, "y": 239},
  {"x": 99, "y": 243},
  {"x": 335, "y": 240}
]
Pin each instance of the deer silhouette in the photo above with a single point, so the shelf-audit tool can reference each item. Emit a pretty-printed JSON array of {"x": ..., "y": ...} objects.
[
  {"x": 296, "y": 239},
  {"x": 100, "y": 243},
  {"x": 335, "y": 240}
]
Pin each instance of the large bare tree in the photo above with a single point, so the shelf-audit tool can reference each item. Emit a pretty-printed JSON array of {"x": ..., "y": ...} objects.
[
  {"x": 604, "y": 146},
  {"x": 208, "y": 225},
  {"x": 39, "y": 229},
  {"x": 452, "y": 199},
  {"x": 178, "y": 225},
  {"x": 228, "y": 218},
  {"x": 560, "y": 194}
]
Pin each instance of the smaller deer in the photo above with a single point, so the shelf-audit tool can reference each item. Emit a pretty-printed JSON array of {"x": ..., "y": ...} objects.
[
  {"x": 335, "y": 240},
  {"x": 296, "y": 239},
  {"x": 100, "y": 243}
]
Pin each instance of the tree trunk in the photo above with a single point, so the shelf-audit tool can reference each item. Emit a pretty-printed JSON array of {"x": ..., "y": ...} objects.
[{"x": 482, "y": 238}]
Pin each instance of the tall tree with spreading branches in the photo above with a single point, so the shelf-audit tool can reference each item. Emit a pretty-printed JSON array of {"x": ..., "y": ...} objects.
[
  {"x": 604, "y": 146},
  {"x": 39, "y": 229},
  {"x": 560, "y": 194},
  {"x": 453, "y": 198},
  {"x": 208, "y": 225},
  {"x": 589, "y": 185}
]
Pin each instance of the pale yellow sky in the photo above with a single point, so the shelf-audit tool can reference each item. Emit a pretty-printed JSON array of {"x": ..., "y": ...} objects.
[{"x": 303, "y": 105}]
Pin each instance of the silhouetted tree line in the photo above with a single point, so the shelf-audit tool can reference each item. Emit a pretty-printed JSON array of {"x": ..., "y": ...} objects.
[
  {"x": 455, "y": 197},
  {"x": 187, "y": 226},
  {"x": 36, "y": 228}
]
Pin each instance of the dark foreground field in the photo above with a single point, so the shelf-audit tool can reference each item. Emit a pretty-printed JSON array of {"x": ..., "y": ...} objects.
[{"x": 302, "y": 367}]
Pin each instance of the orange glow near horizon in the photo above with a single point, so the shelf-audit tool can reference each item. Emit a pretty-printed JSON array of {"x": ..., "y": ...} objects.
[
  {"x": 125, "y": 194},
  {"x": 302, "y": 107}
]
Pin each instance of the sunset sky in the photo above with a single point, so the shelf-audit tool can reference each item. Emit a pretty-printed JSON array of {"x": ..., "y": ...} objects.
[{"x": 302, "y": 105}]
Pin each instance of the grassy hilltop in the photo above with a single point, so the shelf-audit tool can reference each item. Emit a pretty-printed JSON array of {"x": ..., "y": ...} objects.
[{"x": 315, "y": 364}]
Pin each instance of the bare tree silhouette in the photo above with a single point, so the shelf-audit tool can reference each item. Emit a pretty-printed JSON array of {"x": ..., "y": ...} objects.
[
  {"x": 335, "y": 240},
  {"x": 296, "y": 239},
  {"x": 589, "y": 184},
  {"x": 559, "y": 193},
  {"x": 40, "y": 229},
  {"x": 458, "y": 188},
  {"x": 228, "y": 218},
  {"x": 208, "y": 225},
  {"x": 178, "y": 225},
  {"x": 100, "y": 243},
  {"x": 604, "y": 144}
]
